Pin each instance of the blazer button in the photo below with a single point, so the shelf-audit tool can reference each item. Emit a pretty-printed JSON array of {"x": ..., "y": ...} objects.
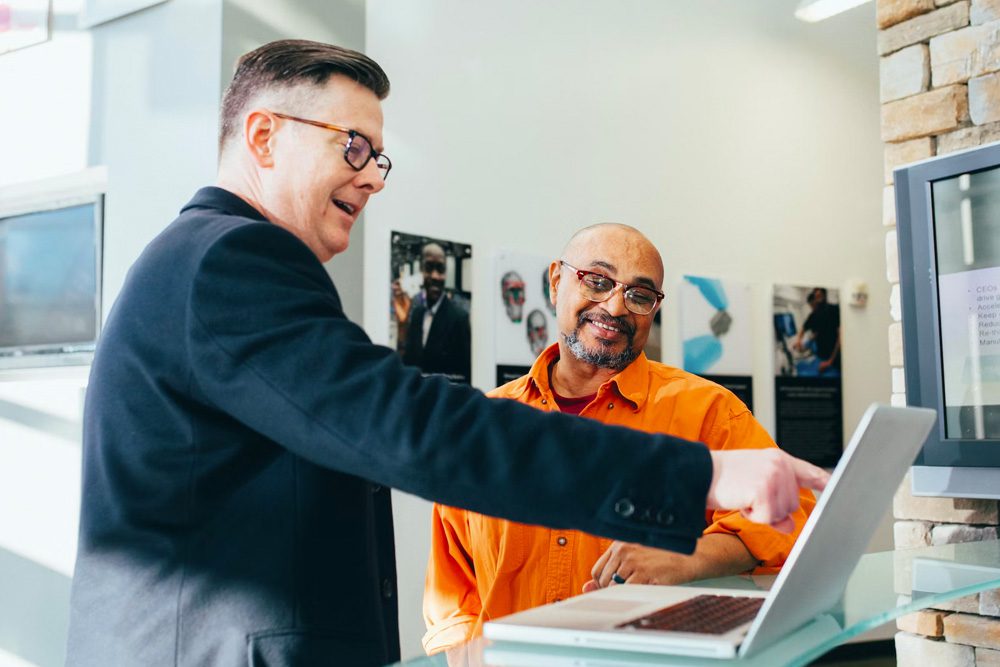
[
  {"x": 664, "y": 517},
  {"x": 387, "y": 588},
  {"x": 624, "y": 508},
  {"x": 376, "y": 488}
]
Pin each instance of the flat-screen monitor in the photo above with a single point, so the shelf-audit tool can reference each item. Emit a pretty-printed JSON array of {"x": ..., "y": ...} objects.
[
  {"x": 948, "y": 223},
  {"x": 50, "y": 282}
]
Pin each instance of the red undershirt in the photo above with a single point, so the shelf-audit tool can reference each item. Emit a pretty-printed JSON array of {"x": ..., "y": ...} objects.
[{"x": 571, "y": 406}]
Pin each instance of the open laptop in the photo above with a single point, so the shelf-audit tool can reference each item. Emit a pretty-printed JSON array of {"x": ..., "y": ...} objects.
[{"x": 723, "y": 623}]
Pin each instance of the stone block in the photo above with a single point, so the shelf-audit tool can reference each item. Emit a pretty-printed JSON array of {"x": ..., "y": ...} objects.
[
  {"x": 909, "y": 535},
  {"x": 927, "y": 622},
  {"x": 961, "y": 533},
  {"x": 904, "y": 73},
  {"x": 989, "y": 603},
  {"x": 968, "y": 137},
  {"x": 987, "y": 657},
  {"x": 941, "y": 510},
  {"x": 891, "y": 12},
  {"x": 984, "y": 11},
  {"x": 923, "y": 27},
  {"x": 958, "y": 56},
  {"x": 889, "y": 206},
  {"x": 933, "y": 112},
  {"x": 984, "y": 99},
  {"x": 967, "y": 605},
  {"x": 972, "y": 630},
  {"x": 896, "y": 359},
  {"x": 917, "y": 651},
  {"x": 898, "y": 374},
  {"x": 906, "y": 152},
  {"x": 896, "y": 311},
  {"x": 891, "y": 258}
]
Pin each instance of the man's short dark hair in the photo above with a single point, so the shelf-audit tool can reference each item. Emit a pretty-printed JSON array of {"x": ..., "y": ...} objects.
[{"x": 290, "y": 62}]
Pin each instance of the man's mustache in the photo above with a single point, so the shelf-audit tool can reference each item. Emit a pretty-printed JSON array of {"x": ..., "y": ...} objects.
[{"x": 600, "y": 317}]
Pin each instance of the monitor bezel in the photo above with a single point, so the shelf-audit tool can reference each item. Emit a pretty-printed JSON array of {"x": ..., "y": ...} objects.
[{"x": 918, "y": 292}]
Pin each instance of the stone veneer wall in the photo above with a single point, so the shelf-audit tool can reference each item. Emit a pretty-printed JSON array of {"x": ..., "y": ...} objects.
[{"x": 940, "y": 92}]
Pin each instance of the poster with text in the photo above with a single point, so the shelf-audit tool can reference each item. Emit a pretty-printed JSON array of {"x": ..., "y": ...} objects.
[
  {"x": 716, "y": 333},
  {"x": 525, "y": 316},
  {"x": 807, "y": 369},
  {"x": 969, "y": 303},
  {"x": 430, "y": 304}
]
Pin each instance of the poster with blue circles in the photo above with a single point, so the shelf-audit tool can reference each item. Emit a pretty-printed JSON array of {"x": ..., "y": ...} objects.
[{"x": 716, "y": 334}]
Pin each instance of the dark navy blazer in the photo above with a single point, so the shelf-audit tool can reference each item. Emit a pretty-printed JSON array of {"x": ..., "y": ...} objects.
[{"x": 239, "y": 438}]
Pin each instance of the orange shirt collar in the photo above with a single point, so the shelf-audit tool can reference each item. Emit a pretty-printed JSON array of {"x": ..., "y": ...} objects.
[{"x": 632, "y": 384}]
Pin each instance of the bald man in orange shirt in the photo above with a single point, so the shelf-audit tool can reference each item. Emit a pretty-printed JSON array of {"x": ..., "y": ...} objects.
[{"x": 606, "y": 288}]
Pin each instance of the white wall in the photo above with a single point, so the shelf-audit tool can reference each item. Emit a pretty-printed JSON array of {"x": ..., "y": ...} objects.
[{"x": 744, "y": 143}]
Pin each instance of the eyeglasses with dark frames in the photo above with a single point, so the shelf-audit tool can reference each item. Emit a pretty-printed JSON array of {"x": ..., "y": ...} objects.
[
  {"x": 358, "y": 150},
  {"x": 598, "y": 288}
]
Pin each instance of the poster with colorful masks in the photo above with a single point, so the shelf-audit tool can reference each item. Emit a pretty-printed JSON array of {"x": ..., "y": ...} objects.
[
  {"x": 716, "y": 333},
  {"x": 524, "y": 314},
  {"x": 430, "y": 302}
]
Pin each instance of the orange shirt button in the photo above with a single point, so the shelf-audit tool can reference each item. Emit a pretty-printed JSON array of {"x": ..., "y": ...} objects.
[
  {"x": 561, "y": 541},
  {"x": 611, "y": 406}
]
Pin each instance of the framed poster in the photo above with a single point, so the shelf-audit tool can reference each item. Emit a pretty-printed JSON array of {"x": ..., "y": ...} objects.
[
  {"x": 716, "y": 333},
  {"x": 808, "y": 403},
  {"x": 23, "y": 23},
  {"x": 429, "y": 318},
  {"x": 524, "y": 315}
]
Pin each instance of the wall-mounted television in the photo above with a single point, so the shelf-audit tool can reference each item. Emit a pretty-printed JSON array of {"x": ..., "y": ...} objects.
[
  {"x": 51, "y": 247},
  {"x": 948, "y": 225}
]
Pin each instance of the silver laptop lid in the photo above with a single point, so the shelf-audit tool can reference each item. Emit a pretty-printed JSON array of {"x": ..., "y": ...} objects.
[{"x": 834, "y": 538}]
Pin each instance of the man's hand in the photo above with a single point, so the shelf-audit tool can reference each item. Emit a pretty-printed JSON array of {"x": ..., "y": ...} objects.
[
  {"x": 763, "y": 484},
  {"x": 400, "y": 302},
  {"x": 716, "y": 555}
]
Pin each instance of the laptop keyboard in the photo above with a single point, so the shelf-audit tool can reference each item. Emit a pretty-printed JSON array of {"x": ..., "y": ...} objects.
[{"x": 704, "y": 614}]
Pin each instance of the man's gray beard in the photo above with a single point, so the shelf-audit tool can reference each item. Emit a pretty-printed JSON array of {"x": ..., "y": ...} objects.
[{"x": 616, "y": 362}]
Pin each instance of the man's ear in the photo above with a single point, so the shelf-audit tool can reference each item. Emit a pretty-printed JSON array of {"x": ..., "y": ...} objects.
[
  {"x": 259, "y": 128},
  {"x": 555, "y": 275}
]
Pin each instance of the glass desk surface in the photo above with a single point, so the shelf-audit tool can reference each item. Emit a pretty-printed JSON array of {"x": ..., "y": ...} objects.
[{"x": 884, "y": 586}]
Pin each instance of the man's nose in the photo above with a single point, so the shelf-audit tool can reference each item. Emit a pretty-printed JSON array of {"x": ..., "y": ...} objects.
[
  {"x": 616, "y": 304},
  {"x": 370, "y": 178}
]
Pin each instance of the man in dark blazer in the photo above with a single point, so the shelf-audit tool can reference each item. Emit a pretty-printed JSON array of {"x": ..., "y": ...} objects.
[
  {"x": 445, "y": 346},
  {"x": 240, "y": 433}
]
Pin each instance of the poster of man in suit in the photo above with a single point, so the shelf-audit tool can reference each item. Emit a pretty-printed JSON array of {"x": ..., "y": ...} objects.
[{"x": 431, "y": 304}]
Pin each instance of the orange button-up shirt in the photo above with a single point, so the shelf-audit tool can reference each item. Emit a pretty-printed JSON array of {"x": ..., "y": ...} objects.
[{"x": 482, "y": 568}]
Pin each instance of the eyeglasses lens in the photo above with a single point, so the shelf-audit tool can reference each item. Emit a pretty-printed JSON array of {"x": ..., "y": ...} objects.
[
  {"x": 640, "y": 301},
  {"x": 358, "y": 151}
]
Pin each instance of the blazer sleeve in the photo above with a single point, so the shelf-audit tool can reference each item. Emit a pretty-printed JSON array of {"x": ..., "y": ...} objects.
[
  {"x": 269, "y": 346},
  {"x": 451, "y": 597}
]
